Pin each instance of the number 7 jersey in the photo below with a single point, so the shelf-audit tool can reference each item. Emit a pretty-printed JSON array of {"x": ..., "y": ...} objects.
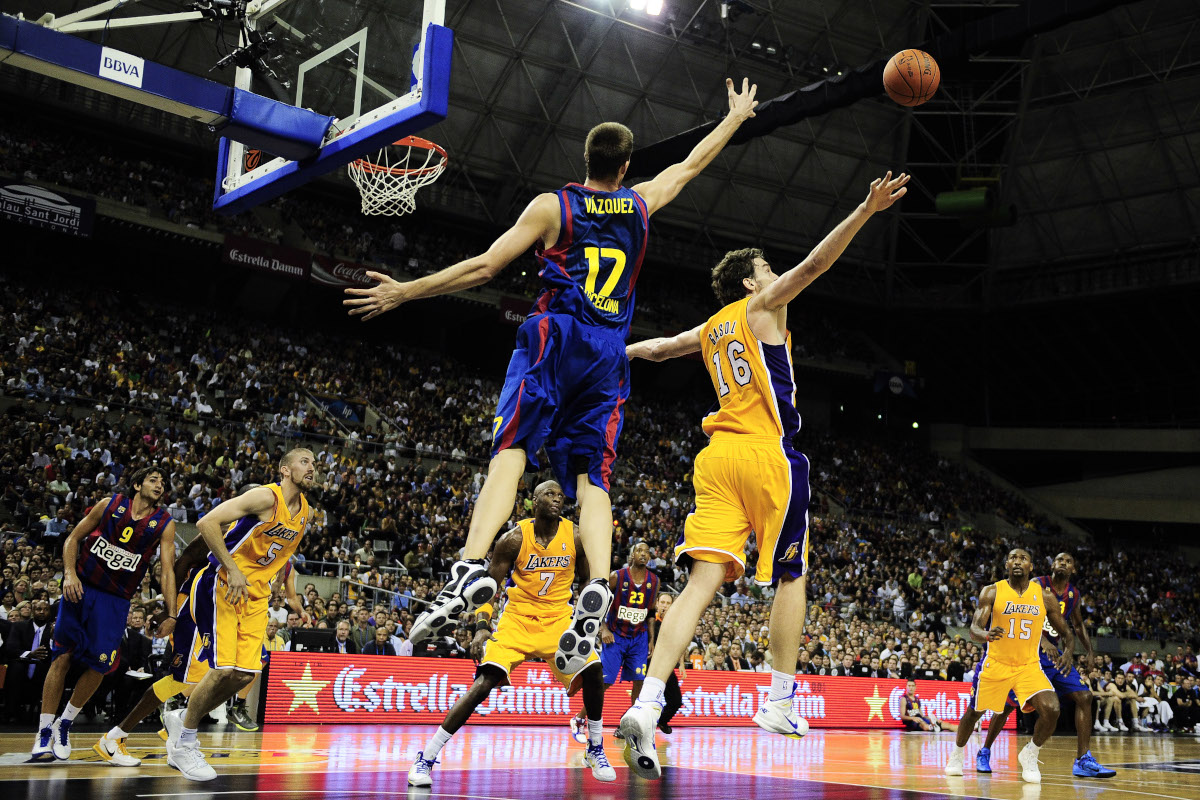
[
  {"x": 754, "y": 381},
  {"x": 261, "y": 548}
]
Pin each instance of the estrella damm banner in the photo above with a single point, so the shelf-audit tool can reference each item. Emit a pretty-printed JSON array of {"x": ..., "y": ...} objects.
[{"x": 338, "y": 689}]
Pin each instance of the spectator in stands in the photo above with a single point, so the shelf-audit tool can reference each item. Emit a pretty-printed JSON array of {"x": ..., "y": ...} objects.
[{"x": 380, "y": 645}]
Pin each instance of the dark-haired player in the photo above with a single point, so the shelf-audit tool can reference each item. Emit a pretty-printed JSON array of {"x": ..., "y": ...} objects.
[
  {"x": 568, "y": 378},
  {"x": 1066, "y": 684},
  {"x": 750, "y": 479},
  {"x": 1015, "y": 608},
  {"x": 104, "y": 560}
]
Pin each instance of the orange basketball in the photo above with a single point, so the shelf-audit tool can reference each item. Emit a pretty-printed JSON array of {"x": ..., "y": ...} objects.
[{"x": 911, "y": 77}]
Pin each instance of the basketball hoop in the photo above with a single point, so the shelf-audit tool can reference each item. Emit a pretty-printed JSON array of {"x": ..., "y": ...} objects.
[{"x": 389, "y": 183}]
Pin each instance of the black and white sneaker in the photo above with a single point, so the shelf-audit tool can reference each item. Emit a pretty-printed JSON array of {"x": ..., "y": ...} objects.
[
  {"x": 579, "y": 642},
  {"x": 470, "y": 587}
]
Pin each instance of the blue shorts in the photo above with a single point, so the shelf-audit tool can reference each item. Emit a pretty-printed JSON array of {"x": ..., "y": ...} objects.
[
  {"x": 1063, "y": 684},
  {"x": 91, "y": 630},
  {"x": 626, "y": 658},
  {"x": 566, "y": 388}
]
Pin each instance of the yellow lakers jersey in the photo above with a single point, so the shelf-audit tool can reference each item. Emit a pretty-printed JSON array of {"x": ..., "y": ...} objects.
[
  {"x": 1021, "y": 616},
  {"x": 262, "y": 548},
  {"x": 755, "y": 386},
  {"x": 540, "y": 583}
]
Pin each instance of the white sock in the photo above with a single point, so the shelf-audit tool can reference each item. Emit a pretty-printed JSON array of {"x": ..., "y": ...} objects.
[
  {"x": 595, "y": 732},
  {"x": 187, "y": 736},
  {"x": 116, "y": 735},
  {"x": 962, "y": 748},
  {"x": 440, "y": 737},
  {"x": 45, "y": 721},
  {"x": 70, "y": 712},
  {"x": 653, "y": 691},
  {"x": 1033, "y": 748},
  {"x": 781, "y": 685}
]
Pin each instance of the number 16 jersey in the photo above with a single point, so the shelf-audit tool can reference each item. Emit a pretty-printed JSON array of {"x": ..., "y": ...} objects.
[
  {"x": 755, "y": 385},
  {"x": 261, "y": 548}
]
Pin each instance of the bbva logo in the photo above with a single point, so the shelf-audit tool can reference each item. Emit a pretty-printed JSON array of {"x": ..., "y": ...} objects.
[
  {"x": 122, "y": 67},
  {"x": 132, "y": 70}
]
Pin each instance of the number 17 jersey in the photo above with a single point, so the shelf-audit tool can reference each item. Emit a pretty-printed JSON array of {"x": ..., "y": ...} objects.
[
  {"x": 261, "y": 548},
  {"x": 591, "y": 272}
]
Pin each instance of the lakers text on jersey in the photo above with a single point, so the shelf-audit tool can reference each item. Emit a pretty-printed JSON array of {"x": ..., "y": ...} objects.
[
  {"x": 538, "y": 609},
  {"x": 1011, "y": 663}
]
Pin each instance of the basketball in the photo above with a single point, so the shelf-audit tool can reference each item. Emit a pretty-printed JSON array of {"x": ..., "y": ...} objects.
[{"x": 911, "y": 77}]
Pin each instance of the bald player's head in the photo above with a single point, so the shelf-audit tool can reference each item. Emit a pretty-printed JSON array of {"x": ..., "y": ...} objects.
[{"x": 548, "y": 501}]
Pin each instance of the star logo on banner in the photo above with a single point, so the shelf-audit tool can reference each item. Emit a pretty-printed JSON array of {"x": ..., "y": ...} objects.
[
  {"x": 304, "y": 690},
  {"x": 876, "y": 703}
]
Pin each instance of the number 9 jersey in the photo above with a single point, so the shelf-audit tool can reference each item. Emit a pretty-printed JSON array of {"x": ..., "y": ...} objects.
[{"x": 261, "y": 548}]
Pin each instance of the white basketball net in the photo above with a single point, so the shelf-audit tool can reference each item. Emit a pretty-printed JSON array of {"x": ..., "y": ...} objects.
[{"x": 389, "y": 183}]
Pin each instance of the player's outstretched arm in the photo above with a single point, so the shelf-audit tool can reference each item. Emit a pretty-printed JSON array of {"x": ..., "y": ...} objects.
[
  {"x": 665, "y": 347},
  {"x": 883, "y": 192},
  {"x": 983, "y": 615},
  {"x": 667, "y": 185},
  {"x": 1064, "y": 630},
  {"x": 72, "y": 587},
  {"x": 253, "y": 503},
  {"x": 537, "y": 221}
]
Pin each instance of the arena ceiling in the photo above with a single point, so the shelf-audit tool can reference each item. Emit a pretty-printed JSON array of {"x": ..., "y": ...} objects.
[{"x": 1091, "y": 132}]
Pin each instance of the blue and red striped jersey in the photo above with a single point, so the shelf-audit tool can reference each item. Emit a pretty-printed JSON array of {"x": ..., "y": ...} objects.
[
  {"x": 114, "y": 557},
  {"x": 592, "y": 270},
  {"x": 1067, "y": 602},
  {"x": 633, "y": 603}
]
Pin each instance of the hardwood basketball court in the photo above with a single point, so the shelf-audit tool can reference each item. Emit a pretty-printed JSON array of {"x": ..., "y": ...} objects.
[{"x": 544, "y": 762}]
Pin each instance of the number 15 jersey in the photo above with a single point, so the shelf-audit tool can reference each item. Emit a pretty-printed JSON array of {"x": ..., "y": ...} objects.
[
  {"x": 261, "y": 548},
  {"x": 591, "y": 271}
]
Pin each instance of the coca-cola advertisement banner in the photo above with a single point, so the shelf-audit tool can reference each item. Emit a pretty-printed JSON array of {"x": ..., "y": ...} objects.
[
  {"x": 286, "y": 262},
  {"x": 514, "y": 310},
  {"x": 339, "y": 689},
  {"x": 336, "y": 272}
]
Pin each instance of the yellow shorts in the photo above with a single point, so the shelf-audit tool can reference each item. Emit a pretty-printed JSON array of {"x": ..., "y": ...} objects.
[
  {"x": 749, "y": 483},
  {"x": 519, "y": 638},
  {"x": 215, "y": 634},
  {"x": 995, "y": 680}
]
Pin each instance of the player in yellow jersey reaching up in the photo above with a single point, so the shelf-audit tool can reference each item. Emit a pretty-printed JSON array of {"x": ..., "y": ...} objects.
[
  {"x": 541, "y": 557},
  {"x": 750, "y": 477},
  {"x": 1017, "y": 608}
]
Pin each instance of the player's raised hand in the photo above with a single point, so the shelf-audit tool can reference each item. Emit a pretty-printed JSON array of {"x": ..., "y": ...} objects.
[
  {"x": 376, "y": 300},
  {"x": 885, "y": 191},
  {"x": 995, "y": 633},
  {"x": 741, "y": 104}
]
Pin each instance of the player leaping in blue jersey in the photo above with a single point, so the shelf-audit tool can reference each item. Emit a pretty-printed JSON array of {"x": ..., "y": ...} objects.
[{"x": 568, "y": 378}]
